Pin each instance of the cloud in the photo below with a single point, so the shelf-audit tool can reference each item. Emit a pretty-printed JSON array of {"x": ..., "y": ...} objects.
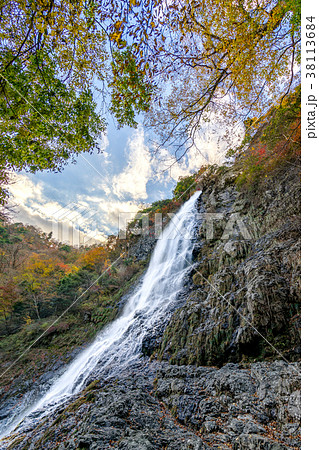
[
  {"x": 106, "y": 155},
  {"x": 69, "y": 223},
  {"x": 23, "y": 189},
  {"x": 166, "y": 168},
  {"x": 86, "y": 220},
  {"x": 81, "y": 199},
  {"x": 207, "y": 149},
  {"x": 210, "y": 147},
  {"x": 113, "y": 209},
  {"x": 132, "y": 181},
  {"x": 212, "y": 142}
]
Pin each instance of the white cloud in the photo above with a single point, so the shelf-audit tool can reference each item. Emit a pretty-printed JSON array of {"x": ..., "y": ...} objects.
[
  {"x": 23, "y": 189},
  {"x": 96, "y": 208},
  {"x": 212, "y": 140},
  {"x": 134, "y": 178},
  {"x": 88, "y": 219},
  {"x": 113, "y": 209},
  {"x": 167, "y": 168},
  {"x": 70, "y": 223},
  {"x": 207, "y": 149}
]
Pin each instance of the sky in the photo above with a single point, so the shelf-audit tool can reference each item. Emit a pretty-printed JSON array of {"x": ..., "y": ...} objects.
[{"x": 82, "y": 204}]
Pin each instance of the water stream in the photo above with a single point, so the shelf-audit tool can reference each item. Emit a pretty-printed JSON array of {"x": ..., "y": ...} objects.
[{"x": 119, "y": 345}]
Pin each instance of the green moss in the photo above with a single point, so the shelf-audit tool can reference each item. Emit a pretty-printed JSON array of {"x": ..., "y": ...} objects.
[
  {"x": 77, "y": 403},
  {"x": 91, "y": 386},
  {"x": 15, "y": 442}
]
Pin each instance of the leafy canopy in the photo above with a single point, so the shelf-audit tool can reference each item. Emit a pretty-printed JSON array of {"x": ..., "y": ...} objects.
[
  {"x": 52, "y": 54},
  {"x": 188, "y": 60},
  {"x": 131, "y": 93},
  {"x": 226, "y": 58},
  {"x": 44, "y": 121}
]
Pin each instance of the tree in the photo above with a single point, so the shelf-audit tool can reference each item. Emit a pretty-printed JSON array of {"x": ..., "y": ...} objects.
[
  {"x": 44, "y": 121},
  {"x": 9, "y": 296},
  {"x": 39, "y": 280},
  {"x": 32, "y": 267},
  {"x": 201, "y": 59},
  {"x": 4, "y": 193},
  {"x": 50, "y": 53},
  {"x": 184, "y": 187},
  {"x": 96, "y": 258},
  {"x": 130, "y": 91},
  {"x": 225, "y": 58},
  {"x": 18, "y": 242},
  {"x": 65, "y": 32},
  {"x": 189, "y": 59}
]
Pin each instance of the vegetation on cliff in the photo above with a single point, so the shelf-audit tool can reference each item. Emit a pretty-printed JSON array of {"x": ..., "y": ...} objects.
[
  {"x": 40, "y": 279},
  {"x": 184, "y": 64},
  {"x": 271, "y": 141}
]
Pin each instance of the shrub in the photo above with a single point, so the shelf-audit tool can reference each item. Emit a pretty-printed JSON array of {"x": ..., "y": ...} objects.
[{"x": 278, "y": 143}]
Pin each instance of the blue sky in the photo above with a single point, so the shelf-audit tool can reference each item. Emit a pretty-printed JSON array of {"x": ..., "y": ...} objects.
[{"x": 82, "y": 203}]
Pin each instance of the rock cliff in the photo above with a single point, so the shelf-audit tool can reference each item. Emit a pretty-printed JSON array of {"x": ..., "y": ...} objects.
[{"x": 245, "y": 299}]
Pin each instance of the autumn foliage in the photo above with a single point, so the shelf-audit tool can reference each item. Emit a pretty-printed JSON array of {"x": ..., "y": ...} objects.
[
  {"x": 40, "y": 277},
  {"x": 277, "y": 144},
  {"x": 97, "y": 258}
]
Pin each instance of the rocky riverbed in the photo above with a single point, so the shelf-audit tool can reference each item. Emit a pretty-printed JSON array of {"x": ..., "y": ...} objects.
[{"x": 158, "y": 405}]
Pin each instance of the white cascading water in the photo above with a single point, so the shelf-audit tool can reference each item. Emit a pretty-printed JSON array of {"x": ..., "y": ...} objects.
[{"x": 120, "y": 343}]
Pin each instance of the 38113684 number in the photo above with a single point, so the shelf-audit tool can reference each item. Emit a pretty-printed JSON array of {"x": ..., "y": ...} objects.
[{"x": 310, "y": 47}]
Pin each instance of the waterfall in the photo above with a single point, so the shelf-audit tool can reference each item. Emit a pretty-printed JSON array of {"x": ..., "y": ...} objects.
[{"x": 119, "y": 345}]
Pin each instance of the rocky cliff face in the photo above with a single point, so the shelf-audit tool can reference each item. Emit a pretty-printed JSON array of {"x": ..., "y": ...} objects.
[
  {"x": 246, "y": 284},
  {"x": 224, "y": 372}
]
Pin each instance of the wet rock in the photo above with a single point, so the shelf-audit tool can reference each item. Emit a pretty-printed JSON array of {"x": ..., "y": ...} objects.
[
  {"x": 253, "y": 428},
  {"x": 136, "y": 442},
  {"x": 142, "y": 250},
  {"x": 210, "y": 426},
  {"x": 207, "y": 391},
  {"x": 242, "y": 284},
  {"x": 237, "y": 426}
]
